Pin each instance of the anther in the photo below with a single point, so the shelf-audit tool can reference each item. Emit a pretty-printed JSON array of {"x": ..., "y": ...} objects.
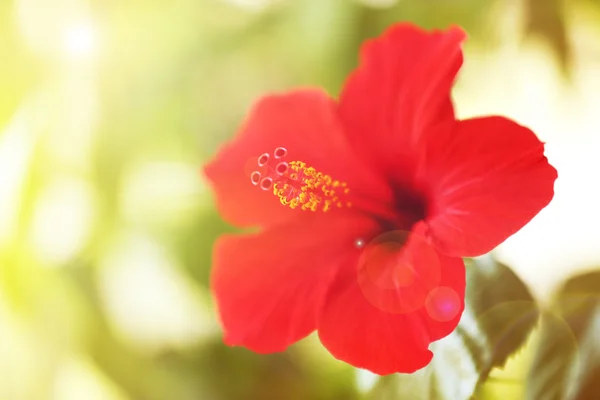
[
  {"x": 302, "y": 186},
  {"x": 263, "y": 159},
  {"x": 255, "y": 178},
  {"x": 280, "y": 152},
  {"x": 266, "y": 183}
]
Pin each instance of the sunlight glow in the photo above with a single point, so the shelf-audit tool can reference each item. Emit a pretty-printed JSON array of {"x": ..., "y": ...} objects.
[
  {"x": 452, "y": 351},
  {"x": 148, "y": 301},
  {"x": 20, "y": 362},
  {"x": 60, "y": 30},
  {"x": 62, "y": 220},
  {"x": 16, "y": 147},
  {"x": 379, "y": 3},
  {"x": 252, "y": 5},
  {"x": 161, "y": 191},
  {"x": 365, "y": 380},
  {"x": 79, "y": 379},
  {"x": 80, "y": 40}
]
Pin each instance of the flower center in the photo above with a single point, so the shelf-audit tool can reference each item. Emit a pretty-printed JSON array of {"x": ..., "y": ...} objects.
[{"x": 298, "y": 185}]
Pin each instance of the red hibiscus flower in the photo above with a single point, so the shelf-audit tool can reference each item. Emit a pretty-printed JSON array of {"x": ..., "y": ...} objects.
[{"x": 363, "y": 207}]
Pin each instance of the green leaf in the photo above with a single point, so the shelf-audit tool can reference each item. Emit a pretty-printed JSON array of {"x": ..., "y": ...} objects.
[
  {"x": 500, "y": 314},
  {"x": 566, "y": 365}
]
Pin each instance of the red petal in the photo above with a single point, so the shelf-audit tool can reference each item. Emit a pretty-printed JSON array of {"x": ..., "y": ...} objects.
[
  {"x": 401, "y": 87},
  {"x": 268, "y": 286},
  {"x": 386, "y": 327},
  {"x": 487, "y": 178},
  {"x": 306, "y": 124}
]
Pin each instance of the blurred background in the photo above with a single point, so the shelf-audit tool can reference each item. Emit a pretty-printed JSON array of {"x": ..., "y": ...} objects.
[{"x": 109, "y": 108}]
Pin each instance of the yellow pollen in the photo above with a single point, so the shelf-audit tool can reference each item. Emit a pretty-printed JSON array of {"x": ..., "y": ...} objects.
[{"x": 305, "y": 188}]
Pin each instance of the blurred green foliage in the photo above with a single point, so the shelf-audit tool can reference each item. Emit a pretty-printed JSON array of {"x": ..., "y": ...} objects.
[
  {"x": 567, "y": 358},
  {"x": 108, "y": 110},
  {"x": 496, "y": 322}
]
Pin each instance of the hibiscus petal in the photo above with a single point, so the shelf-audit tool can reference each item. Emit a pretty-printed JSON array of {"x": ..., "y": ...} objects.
[
  {"x": 305, "y": 122},
  {"x": 401, "y": 87},
  {"x": 268, "y": 286},
  {"x": 387, "y": 328},
  {"x": 487, "y": 178}
]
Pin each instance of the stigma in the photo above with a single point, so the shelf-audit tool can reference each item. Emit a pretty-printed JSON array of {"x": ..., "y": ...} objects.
[{"x": 297, "y": 185}]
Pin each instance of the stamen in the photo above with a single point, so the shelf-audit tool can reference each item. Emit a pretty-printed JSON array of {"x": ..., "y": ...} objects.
[
  {"x": 282, "y": 168},
  {"x": 263, "y": 159},
  {"x": 266, "y": 183},
  {"x": 280, "y": 152},
  {"x": 298, "y": 185},
  {"x": 255, "y": 178}
]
